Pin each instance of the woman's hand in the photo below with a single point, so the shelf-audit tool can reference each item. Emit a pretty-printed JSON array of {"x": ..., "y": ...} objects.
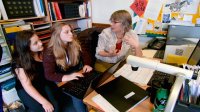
[
  {"x": 48, "y": 107},
  {"x": 134, "y": 43},
  {"x": 131, "y": 41},
  {"x": 73, "y": 76},
  {"x": 87, "y": 68},
  {"x": 112, "y": 54}
]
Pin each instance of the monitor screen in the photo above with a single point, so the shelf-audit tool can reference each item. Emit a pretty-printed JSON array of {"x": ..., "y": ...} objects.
[
  {"x": 178, "y": 31},
  {"x": 195, "y": 57}
]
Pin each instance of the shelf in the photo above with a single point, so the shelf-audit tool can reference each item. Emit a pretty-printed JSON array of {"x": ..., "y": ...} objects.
[
  {"x": 3, "y": 44},
  {"x": 2, "y": 40},
  {"x": 45, "y": 41},
  {"x": 41, "y": 23},
  {"x": 43, "y": 32},
  {"x": 29, "y": 18},
  {"x": 5, "y": 61},
  {"x": 44, "y": 37},
  {"x": 72, "y": 19},
  {"x": 6, "y": 76}
]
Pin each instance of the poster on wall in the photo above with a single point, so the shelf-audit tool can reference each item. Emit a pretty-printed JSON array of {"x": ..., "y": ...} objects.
[
  {"x": 153, "y": 9},
  {"x": 181, "y": 6},
  {"x": 166, "y": 17},
  {"x": 139, "y": 7}
]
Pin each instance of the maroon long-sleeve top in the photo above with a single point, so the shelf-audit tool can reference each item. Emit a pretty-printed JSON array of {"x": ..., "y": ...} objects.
[{"x": 52, "y": 71}]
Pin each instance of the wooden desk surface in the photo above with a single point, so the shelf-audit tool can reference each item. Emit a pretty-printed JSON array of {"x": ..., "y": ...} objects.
[{"x": 144, "y": 106}]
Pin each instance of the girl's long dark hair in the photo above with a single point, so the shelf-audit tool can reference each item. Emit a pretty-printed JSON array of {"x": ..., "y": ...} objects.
[{"x": 23, "y": 53}]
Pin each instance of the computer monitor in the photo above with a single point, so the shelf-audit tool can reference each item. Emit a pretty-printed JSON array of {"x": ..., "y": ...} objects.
[
  {"x": 195, "y": 57},
  {"x": 180, "y": 31}
]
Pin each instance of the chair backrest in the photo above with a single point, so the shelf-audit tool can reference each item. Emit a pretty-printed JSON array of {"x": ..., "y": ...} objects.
[{"x": 88, "y": 40}]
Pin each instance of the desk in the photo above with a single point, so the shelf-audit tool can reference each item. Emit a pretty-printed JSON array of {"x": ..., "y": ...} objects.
[{"x": 144, "y": 106}]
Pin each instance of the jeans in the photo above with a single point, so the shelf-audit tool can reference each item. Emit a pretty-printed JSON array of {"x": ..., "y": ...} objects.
[
  {"x": 78, "y": 104},
  {"x": 33, "y": 105}
]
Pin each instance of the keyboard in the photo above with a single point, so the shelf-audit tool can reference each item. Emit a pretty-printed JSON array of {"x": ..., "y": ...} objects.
[
  {"x": 78, "y": 88},
  {"x": 159, "y": 54},
  {"x": 157, "y": 75}
]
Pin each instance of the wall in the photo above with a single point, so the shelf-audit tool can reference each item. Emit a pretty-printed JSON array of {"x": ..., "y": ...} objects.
[{"x": 102, "y": 9}]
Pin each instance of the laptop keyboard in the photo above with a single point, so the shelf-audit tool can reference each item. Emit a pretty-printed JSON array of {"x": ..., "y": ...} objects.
[
  {"x": 79, "y": 87},
  {"x": 157, "y": 75},
  {"x": 159, "y": 54}
]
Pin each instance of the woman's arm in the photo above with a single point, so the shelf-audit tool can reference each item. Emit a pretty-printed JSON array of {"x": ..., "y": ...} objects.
[
  {"x": 49, "y": 64},
  {"x": 102, "y": 43},
  {"x": 133, "y": 41},
  {"x": 28, "y": 87}
]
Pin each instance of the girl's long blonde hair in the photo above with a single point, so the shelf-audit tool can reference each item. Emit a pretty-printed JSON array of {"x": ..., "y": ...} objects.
[{"x": 62, "y": 51}]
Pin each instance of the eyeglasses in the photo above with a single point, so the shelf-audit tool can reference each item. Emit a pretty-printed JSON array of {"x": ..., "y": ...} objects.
[{"x": 115, "y": 22}]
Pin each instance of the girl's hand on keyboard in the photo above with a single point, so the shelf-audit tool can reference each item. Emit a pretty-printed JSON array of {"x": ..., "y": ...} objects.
[
  {"x": 73, "y": 76},
  {"x": 87, "y": 69}
]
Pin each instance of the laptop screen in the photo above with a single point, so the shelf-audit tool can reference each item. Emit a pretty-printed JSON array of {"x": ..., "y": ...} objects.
[
  {"x": 195, "y": 57},
  {"x": 108, "y": 73}
]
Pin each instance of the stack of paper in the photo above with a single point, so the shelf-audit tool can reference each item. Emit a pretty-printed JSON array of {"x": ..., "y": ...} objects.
[{"x": 149, "y": 53}]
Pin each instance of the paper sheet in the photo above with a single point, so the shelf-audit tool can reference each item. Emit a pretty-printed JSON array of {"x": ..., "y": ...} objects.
[
  {"x": 141, "y": 76},
  {"x": 153, "y": 9},
  {"x": 104, "y": 104},
  {"x": 149, "y": 53},
  {"x": 141, "y": 25}
]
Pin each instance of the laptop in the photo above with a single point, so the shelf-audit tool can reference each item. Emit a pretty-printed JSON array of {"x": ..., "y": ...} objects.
[
  {"x": 82, "y": 87},
  {"x": 194, "y": 58}
]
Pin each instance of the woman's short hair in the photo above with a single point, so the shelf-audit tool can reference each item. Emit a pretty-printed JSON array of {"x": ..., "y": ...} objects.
[{"x": 124, "y": 17}]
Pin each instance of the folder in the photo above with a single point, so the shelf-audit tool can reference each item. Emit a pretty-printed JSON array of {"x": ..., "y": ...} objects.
[{"x": 122, "y": 94}]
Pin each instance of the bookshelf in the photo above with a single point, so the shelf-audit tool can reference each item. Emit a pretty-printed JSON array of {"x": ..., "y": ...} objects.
[
  {"x": 5, "y": 67},
  {"x": 60, "y": 11},
  {"x": 39, "y": 18}
]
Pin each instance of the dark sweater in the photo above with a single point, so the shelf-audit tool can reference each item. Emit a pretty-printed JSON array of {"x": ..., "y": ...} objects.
[{"x": 52, "y": 71}]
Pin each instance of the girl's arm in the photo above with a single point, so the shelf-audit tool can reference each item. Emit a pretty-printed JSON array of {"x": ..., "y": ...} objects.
[{"x": 28, "y": 87}]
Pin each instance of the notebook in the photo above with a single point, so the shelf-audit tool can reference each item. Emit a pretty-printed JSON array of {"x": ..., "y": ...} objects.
[{"x": 122, "y": 94}]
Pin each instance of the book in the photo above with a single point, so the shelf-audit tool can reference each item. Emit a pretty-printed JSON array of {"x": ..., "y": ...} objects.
[
  {"x": 19, "y": 8},
  {"x": 53, "y": 16},
  {"x": 48, "y": 35},
  {"x": 36, "y": 8},
  {"x": 57, "y": 10},
  {"x": 3, "y": 11},
  {"x": 122, "y": 94},
  {"x": 40, "y": 7},
  {"x": 50, "y": 13}
]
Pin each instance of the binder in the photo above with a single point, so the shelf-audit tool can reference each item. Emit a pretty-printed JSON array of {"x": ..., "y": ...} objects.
[
  {"x": 57, "y": 11},
  {"x": 19, "y": 8},
  {"x": 122, "y": 94}
]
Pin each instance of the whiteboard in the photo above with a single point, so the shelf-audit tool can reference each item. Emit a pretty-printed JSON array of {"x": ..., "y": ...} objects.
[{"x": 102, "y": 9}]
